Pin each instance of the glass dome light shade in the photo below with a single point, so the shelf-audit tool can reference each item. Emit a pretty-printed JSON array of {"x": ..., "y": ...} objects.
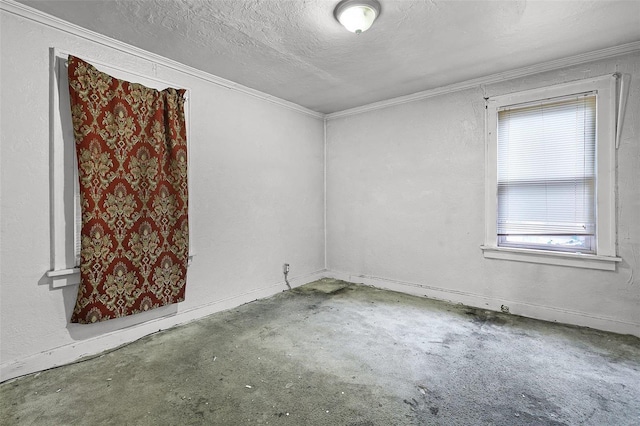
[{"x": 357, "y": 16}]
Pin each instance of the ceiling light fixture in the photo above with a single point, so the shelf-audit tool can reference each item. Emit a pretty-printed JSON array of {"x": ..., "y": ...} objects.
[{"x": 357, "y": 15}]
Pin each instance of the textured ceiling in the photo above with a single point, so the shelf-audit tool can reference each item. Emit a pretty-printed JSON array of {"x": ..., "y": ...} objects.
[{"x": 296, "y": 50}]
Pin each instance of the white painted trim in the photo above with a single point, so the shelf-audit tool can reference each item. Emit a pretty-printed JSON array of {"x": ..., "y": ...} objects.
[
  {"x": 73, "y": 352},
  {"x": 490, "y": 176},
  {"x": 64, "y": 277},
  {"x": 606, "y": 188},
  {"x": 61, "y": 174},
  {"x": 34, "y": 15},
  {"x": 494, "y": 78},
  {"x": 62, "y": 272},
  {"x": 108, "y": 68},
  {"x": 521, "y": 98},
  {"x": 530, "y": 310},
  {"x": 576, "y": 260}
]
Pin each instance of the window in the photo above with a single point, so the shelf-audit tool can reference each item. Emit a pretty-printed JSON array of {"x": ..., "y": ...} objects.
[
  {"x": 546, "y": 174},
  {"x": 550, "y": 175},
  {"x": 65, "y": 190}
]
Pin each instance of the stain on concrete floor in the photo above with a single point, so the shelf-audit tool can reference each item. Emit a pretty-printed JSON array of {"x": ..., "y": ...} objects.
[{"x": 334, "y": 353}]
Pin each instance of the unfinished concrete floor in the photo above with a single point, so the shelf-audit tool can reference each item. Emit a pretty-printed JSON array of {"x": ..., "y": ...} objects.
[{"x": 330, "y": 353}]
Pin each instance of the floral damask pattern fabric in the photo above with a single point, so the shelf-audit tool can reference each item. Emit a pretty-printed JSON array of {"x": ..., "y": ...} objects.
[{"x": 131, "y": 149}]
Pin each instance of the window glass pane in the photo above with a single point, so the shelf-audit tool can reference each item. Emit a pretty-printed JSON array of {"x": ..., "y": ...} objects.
[{"x": 556, "y": 242}]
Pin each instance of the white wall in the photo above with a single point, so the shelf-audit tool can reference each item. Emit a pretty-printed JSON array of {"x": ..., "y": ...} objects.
[
  {"x": 405, "y": 208},
  {"x": 256, "y": 201}
]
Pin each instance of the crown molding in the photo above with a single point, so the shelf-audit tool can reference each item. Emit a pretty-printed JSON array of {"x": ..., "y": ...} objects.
[
  {"x": 494, "y": 78},
  {"x": 35, "y": 15}
]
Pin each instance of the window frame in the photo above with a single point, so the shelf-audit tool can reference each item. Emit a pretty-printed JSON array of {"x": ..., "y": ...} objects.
[
  {"x": 605, "y": 246},
  {"x": 64, "y": 186}
]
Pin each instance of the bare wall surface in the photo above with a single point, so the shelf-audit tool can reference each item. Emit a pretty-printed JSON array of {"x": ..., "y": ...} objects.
[
  {"x": 256, "y": 200},
  {"x": 405, "y": 208}
]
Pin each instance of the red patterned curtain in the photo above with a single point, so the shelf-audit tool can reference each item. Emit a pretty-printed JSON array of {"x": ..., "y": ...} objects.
[{"x": 131, "y": 149}]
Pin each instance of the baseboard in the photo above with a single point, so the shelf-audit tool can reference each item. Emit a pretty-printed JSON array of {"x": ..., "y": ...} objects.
[
  {"x": 73, "y": 352},
  {"x": 530, "y": 310}
]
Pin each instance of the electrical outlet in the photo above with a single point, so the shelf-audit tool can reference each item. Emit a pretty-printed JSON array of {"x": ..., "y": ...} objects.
[{"x": 285, "y": 268}]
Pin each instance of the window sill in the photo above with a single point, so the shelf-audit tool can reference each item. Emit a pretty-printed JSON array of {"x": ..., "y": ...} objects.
[
  {"x": 576, "y": 260},
  {"x": 66, "y": 277}
]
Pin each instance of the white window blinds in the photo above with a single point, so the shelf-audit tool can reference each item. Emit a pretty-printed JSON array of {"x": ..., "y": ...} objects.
[{"x": 546, "y": 167}]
